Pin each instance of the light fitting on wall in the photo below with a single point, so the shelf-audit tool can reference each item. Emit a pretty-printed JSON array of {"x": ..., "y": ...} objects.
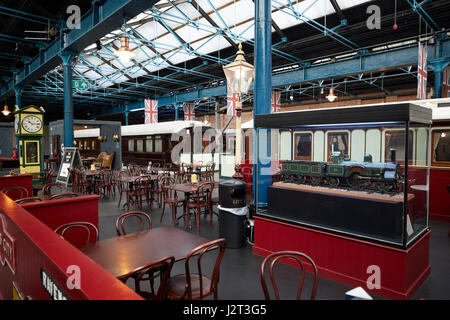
[
  {"x": 116, "y": 138},
  {"x": 100, "y": 138},
  {"x": 124, "y": 53},
  {"x": 331, "y": 96},
  {"x": 6, "y": 111}
]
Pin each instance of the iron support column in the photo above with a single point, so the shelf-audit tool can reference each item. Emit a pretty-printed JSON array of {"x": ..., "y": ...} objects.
[
  {"x": 176, "y": 112},
  {"x": 438, "y": 66},
  {"x": 18, "y": 92},
  {"x": 67, "y": 59},
  {"x": 262, "y": 95}
]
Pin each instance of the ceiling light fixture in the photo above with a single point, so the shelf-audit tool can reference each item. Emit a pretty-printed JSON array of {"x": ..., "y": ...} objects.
[
  {"x": 124, "y": 53},
  {"x": 331, "y": 96},
  {"x": 6, "y": 111}
]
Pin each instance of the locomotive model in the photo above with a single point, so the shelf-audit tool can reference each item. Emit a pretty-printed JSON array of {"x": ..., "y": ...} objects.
[{"x": 366, "y": 175}]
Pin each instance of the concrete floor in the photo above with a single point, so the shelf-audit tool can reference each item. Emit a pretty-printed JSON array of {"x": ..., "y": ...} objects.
[{"x": 239, "y": 279}]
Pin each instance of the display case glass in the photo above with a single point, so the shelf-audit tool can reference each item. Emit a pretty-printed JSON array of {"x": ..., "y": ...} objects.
[{"x": 361, "y": 172}]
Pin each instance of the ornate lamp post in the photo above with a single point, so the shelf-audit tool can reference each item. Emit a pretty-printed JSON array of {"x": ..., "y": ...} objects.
[{"x": 239, "y": 75}]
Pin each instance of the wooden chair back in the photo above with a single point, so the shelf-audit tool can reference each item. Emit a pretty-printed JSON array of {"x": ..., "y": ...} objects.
[
  {"x": 293, "y": 256},
  {"x": 27, "y": 200},
  {"x": 168, "y": 193},
  {"x": 64, "y": 195},
  {"x": 197, "y": 255},
  {"x": 164, "y": 266},
  {"x": 49, "y": 187},
  {"x": 141, "y": 216},
  {"x": 16, "y": 192},
  {"x": 91, "y": 231}
]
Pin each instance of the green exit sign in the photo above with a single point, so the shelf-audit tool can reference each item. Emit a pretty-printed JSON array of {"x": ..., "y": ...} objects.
[{"x": 78, "y": 84}]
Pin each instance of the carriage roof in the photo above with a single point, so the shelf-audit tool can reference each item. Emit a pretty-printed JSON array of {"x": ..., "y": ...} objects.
[{"x": 168, "y": 127}]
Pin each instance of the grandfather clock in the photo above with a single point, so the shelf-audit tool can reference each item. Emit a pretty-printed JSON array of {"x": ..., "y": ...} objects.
[{"x": 29, "y": 128}]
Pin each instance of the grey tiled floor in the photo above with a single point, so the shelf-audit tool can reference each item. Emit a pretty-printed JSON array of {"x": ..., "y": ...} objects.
[{"x": 239, "y": 279}]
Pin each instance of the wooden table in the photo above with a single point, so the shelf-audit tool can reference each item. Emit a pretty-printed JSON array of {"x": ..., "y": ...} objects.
[
  {"x": 187, "y": 189},
  {"x": 130, "y": 181},
  {"x": 123, "y": 254}
]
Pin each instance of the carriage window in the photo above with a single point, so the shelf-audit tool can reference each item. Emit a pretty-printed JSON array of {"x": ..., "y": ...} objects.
[
  {"x": 303, "y": 146},
  {"x": 441, "y": 146},
  {"x": 80, "y": 144},
  {"x": 338, "y": 142},
  {"x": 86, "y": 145},
  {"x": 140, "y": 145},
  {"x": 158, "y": 144},
  {"x": 131, "y": 145},
  {"x": 93, "y": 145},
  {"x": 149, "y": 144},
  {"x": 396, "y": 140}
]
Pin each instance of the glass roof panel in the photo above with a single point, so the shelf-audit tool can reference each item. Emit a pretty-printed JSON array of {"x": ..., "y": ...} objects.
[{"x": 236, "y": 16}]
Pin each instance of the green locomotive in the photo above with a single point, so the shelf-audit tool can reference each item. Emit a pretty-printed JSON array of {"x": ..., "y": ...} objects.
[{"x": 357, "y": 175}]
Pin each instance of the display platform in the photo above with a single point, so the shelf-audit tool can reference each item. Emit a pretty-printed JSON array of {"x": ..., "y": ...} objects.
[
  {"x": 348, "y": 260},
  {"x": 360, "y": 214}
]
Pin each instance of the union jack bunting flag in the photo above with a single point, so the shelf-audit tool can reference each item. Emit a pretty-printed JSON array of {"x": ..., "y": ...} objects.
[
  {"x": 232, "y": 103},
  {"x": 446, "y": 83},
  {"x": 189, "y": 112},
  {"x": 422, "y": 73},
  {"x": 151, "y": 111},
  {"x": 275, "y": 102}
]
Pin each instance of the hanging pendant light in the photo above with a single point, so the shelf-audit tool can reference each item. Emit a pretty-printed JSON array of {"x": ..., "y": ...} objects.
[
  {"x": 124, "y": 53},
  {"x": 331, "y": 96},
  {"x": 6, "y": 111}
]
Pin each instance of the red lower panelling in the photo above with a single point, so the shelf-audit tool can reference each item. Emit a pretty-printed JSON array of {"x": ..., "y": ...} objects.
[
  {"x": 36, "y": 263},
  {"x": 20, "y": 180},
  {"x": 349, "y": 260},
  {"x": 55, "y": 213},
  {"x": 439, "y": 195}
]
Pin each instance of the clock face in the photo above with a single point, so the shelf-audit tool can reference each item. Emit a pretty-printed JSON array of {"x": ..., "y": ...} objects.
[{"x": 31, "y": 124}]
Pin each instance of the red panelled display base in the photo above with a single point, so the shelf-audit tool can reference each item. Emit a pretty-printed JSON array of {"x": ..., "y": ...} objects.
[{"x": 348, "y": 260}]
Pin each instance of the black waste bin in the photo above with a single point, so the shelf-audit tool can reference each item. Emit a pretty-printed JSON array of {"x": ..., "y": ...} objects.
[{"x": 233, "y": 212}]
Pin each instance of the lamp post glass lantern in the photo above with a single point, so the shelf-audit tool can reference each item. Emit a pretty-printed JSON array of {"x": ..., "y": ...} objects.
[{"x": 239, "y": 75}]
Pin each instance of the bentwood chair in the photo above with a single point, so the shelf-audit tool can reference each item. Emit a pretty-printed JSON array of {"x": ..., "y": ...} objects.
[
  {"x": 199, "y": 200},
  {"x": 105, "y": 184},
  {"x": 122, "y": 187},
  {"x": 208, "y": 175},
  {"x": 64, "y": 195},
  {"x": 28, "y": 200},
  {"x": 89, "y": 230},
  {"x": 133, "y": 169},
  {"x": 196, "y": 286},
  {"x": 16, "y": 192},
  {"x": 83, "y": 185},
  {"x": 48, "y": 176},
  {"x": 170, "y": 198},
  {"x": 162, "y": 266},
  {"x": 294, "y": 256},
  {"x": 53, "y": 188},
  {"x": 138, "y": 191},
  {"x": 139, "y": 215}
]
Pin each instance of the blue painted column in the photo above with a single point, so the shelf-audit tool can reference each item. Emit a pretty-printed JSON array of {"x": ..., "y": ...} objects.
[
  {"x": 262, "y": 178},
  {"x": 438, "y": 66},
  {"x": 126, "y": 114},
  {"x": 18, "y": 92},
  {"x": 67, "y": 58},
  {"x": 176, "y": 112}
]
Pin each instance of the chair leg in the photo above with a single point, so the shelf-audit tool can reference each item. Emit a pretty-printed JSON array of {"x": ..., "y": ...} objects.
[
  {"x": 198, "y": 219},
  {"x": 174, "y": 210},
  {"x": 120, "y": 198},
  {"x": 162, "y": 214}
]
